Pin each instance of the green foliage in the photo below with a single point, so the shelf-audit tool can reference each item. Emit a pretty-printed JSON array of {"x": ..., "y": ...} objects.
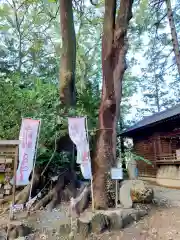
[
  {"x": 142, "y": 15},
  {"x": 38, "y": 101},
  {"x": 29, "y": 72},
  {"x": 41, "y": 101},
  {"x": 129, "y": 155},
  {"x": 30, "y": 49}
]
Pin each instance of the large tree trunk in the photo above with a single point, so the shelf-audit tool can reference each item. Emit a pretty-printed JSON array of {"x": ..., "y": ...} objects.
[
  {"x": 68, "y": 58},
  {"x": 103, "y": 158},
  {"x": 173, "y": 34},
  {"x": 120, "y": 50},
  {"x": 114, "y": 49}
]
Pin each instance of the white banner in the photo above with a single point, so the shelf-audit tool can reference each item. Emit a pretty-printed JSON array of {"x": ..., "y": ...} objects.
[
  {"x": 77, "y": 130},
  {"x": 77, "y": 133},
  {"x": 28, "y": 136},
  {"x": 86, "y": 162},
  {"x": 86, "y": 170}
]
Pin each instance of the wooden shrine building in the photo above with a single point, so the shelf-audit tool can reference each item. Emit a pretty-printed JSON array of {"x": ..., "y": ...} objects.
[{"x": 157, "y": 139}]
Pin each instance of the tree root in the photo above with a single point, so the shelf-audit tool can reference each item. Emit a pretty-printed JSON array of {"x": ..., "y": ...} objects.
[
  {"x": 64, "y": 189},
  {"x": 44, "y": 201},
  {"x": 81, "y": 202}
]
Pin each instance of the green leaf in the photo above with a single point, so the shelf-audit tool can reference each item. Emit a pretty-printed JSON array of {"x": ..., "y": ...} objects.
[{"x": 4, "y": 27}]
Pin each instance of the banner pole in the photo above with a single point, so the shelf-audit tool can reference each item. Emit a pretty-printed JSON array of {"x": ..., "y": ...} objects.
[
  {"x": 116, "y": 193},
  {"x": 14, "y": 183},
  {"x": 35, "y": 156},
  {"x": 92, "y": 192}
]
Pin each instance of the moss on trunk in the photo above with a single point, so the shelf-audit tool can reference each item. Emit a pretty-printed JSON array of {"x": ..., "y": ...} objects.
[{"x": 68, "y": 57}]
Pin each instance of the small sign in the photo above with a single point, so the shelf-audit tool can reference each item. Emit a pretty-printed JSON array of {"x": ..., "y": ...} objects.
[{"x": 116, "y": 173}]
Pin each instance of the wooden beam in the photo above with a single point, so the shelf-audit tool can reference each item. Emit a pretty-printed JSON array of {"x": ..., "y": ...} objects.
[{"x": 10, "y": 142}]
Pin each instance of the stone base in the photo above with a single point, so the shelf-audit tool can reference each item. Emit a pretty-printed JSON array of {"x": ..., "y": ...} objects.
[
  {"x": 113, "y": 219},
  {"x": 170, "y": 183},
  {"x": 16, "y": 230},
  {"x": 149, "y": 179}
]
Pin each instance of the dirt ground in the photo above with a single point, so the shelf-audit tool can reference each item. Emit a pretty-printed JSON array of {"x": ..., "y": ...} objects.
[{"x": 162, "y": 222}]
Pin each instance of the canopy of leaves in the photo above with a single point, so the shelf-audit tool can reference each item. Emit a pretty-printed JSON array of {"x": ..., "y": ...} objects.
[{"x": 30, "y": 50}]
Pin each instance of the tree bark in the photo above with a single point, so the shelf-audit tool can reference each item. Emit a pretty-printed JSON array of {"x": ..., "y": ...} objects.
[
  {"x": 68, "y": 58},
  {"x": 173, "y": 34},
  {"x": 104, "y": 155},
  {"x": 120, "y": 51},
  {"x": 157, "y": 100},
  {"x": 114, "y": 49}
]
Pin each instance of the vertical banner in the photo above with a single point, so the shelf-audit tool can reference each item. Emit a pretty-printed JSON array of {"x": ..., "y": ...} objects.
[
  {"x": 28, "y": 136},
  {"x": 77, "y": 133}
]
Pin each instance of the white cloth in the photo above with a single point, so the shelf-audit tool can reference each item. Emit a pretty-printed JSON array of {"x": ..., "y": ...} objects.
[{"x": 86, "y": 170}]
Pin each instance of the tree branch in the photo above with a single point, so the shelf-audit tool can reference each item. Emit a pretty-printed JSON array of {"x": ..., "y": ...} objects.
[
  {"x": 159, "y": 21},
  {"x": 94, "y": 4}
]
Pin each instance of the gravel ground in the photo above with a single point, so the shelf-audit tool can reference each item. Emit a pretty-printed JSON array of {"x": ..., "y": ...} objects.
[
  {"x": 160, "y": 224},
  {"x": 163, "y": 221}
]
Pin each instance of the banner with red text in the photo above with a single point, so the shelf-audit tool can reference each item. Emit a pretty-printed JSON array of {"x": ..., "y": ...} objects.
[
  {"x": 28, "y": 136},
  {"x": 77, "y": 133}
]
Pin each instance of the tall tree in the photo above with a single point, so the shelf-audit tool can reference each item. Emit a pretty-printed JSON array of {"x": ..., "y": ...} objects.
[
  {"x": 114, "y": 49},
  {"x": 161, "y": 11},
  {"x": 175, "y": 43},
  {"x": 26, "y": 43},
  {"x": 68, "y": 57},
  {"x": 158, "y": 65}
]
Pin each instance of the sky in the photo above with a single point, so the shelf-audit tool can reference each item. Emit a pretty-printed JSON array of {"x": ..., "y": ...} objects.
[{"x": 136, "y": 99}]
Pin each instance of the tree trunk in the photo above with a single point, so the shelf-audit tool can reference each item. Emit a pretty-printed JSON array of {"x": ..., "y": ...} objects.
[
  {"x": 103, "y": 158},
  {"x": 114, "y": 49},
  {"x": 157, "y": 102},
  {"x": 120, "y": 50},
  {"x": 68, "y": 58},
  {"x": 173, "y": 34},
  {"x": 122, "y": 147}
]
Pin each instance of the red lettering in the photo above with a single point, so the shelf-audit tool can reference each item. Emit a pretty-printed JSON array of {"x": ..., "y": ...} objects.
[
  {"x": 27, "y": 137},
  {"x": 24, "y": 166},
  {"x": 85, "y": 156},
  {"x": 30, "y": 140}
]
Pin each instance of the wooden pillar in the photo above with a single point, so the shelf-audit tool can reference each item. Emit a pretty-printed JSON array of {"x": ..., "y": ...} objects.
[
  {"x": 14, "y": 180},
  {"x": 10, "y": 148},
  {"x": 159, "y": 145},
  {"x": 170, "y": 147},
  {"x": 154, "y": 149}
]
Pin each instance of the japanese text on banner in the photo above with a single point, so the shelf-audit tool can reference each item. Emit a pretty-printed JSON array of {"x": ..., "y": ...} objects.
[
  {"x": 77, "y": 133},
  {"x": 28, "y": 137}
]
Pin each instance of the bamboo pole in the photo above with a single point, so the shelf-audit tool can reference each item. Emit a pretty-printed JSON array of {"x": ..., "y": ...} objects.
[
  {"x": 35, "y": 156},
  {"x": 92, "y": 192},
  {"x": 14, "y": 182}
]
